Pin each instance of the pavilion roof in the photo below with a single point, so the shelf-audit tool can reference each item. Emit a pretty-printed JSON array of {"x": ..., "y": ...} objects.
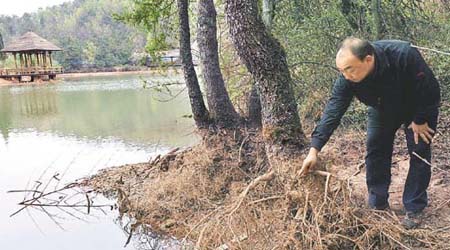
[{"x": 30, "y": 42}]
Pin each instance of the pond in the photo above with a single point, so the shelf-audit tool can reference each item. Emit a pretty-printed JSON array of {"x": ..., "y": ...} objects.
[{"x": 72, "y": 129}]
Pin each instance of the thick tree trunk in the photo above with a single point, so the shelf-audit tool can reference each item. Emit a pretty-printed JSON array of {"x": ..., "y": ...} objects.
[
  {"x": 201, "y": 116},
  {"x": 220, "y": 107},
  {"x": 266, "y": 61}
]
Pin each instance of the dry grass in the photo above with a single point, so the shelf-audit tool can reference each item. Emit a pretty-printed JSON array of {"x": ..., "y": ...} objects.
[{"x": 224, "y": 193}]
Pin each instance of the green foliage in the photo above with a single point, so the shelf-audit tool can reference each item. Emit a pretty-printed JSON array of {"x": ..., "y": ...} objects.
[
  {"x": 84, "y": 29},
  {"x": 7, "y": 62},
  {"x": 311, "y": 30},
  {"x": 156, "y": 17}
]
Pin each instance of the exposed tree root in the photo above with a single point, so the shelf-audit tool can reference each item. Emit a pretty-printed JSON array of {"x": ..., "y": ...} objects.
[
  {"x": 265, "y": 177},
  {"x": 223, "y": 194}
]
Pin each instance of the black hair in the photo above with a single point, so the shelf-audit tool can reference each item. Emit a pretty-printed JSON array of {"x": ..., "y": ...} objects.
[{"x": 359, "y": 47}]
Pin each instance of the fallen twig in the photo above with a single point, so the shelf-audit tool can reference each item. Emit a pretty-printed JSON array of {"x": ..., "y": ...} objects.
[{"x": 428, "y": 163}]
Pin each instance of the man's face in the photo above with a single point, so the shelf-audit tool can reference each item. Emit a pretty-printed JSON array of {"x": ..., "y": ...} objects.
[{"x": 353, "y": 68}]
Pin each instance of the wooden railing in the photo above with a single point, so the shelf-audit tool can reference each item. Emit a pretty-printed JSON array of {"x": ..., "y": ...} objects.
[{"x": 31, "y": 71}]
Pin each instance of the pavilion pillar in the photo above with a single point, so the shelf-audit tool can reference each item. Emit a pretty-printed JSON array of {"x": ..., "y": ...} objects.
[
  {"x": 45, "y": 59},
  {"x": 50, "y": 57},
  {"x": 27, "y": 61},
  {"x": 30, "y": 56},
  {"x": 37, "y": 58},
  {"x": 15, "y": 60}
]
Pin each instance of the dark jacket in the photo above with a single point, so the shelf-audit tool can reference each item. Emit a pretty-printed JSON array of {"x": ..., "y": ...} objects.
[{"x": 402, "y": 87}]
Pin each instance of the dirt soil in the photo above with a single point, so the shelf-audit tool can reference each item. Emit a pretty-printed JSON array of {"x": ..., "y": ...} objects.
[{"x": 225, "y": 194}]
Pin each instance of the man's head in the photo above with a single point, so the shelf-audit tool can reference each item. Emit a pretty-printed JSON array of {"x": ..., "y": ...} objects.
[{"x": 355, "y": 59}]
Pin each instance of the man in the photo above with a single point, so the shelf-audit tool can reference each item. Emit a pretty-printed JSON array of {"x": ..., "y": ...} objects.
[{"x": 396, "y": 84}]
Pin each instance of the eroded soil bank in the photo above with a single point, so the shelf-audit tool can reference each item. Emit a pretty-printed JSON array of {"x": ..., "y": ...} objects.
[{"x": 224, "y": 194}]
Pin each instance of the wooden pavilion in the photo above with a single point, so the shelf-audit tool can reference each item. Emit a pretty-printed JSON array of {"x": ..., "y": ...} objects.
[{"x": 32, "y": 59}]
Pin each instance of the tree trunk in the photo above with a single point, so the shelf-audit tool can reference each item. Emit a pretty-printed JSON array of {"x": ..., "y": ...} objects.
[
  {"x": 2, "y": 56},
  {"x": 376, "y": 16},
  {"x": 220, "y": 107},
  {"x": 201, "y": 116},
  {"x": 298, "y": 10},
  {"x": 266, "y": 61},
  {"x": 346, "y": 10},
  {"x": 268, "y": 13},
  {"x": 254, "y": 103},
  {"x": 254, "y": 108}
]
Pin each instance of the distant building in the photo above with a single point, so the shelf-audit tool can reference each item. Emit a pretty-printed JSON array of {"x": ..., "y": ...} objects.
[
  {"x": 167, "y": 58},
  {"x": 32, "y": 59}
]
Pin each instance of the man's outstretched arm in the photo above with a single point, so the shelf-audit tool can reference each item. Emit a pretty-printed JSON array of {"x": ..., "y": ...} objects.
[{"x": 341, "y": 97}]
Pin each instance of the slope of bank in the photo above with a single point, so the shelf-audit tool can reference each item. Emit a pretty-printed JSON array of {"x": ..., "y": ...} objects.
[{"x": 223, "y": 194}]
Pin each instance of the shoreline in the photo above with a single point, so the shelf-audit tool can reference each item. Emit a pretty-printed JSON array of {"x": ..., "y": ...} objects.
[
  {"x": 104, "y": 73},
  {"x": 9, "y": 83}
]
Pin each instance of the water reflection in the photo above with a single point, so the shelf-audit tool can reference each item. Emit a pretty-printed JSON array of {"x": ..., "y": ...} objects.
[
  {"x": 37, "y": 103},
  {"x": 144, "y": 238},
  {"x": 128, "y": 112},
  {"x": 75, "y": 128},
  {"x": 5, "y": 114}
]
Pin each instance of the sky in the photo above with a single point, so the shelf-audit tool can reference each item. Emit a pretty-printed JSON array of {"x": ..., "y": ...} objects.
[{"x": 19, "y": 7}]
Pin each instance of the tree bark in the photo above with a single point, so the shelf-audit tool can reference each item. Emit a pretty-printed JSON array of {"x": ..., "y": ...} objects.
[
  {"x": 377, "y": 25},
  {"x": 268, "y": 13},
  {"x": 199, "y": 111},
  {"x": 346, "y": 10},
  {"x": 298, "y": 10},
  {"x": 266, "y": 61},
  {"x": 220, "y": 107},
  {"x": 254, "y": 108}
]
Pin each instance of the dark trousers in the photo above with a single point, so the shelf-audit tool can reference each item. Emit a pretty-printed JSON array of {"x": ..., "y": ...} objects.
[{"x": 380, "y": 138}]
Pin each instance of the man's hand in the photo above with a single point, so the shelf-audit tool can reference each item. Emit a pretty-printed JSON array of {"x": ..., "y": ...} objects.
[
  {"x": 425, "y": 132},
  {"x": 309, "y": 162}
]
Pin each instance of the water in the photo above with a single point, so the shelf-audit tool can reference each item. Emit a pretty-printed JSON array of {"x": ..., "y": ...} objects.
[{"x": 73, "y": 129}]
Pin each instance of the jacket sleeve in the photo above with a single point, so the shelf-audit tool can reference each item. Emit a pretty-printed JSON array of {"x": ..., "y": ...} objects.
[
  {"x": 341, "y": 97},
  {"x": 426, "y": 87}
]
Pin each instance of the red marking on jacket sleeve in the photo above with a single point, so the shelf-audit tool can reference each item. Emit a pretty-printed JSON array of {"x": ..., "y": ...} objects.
[{"x": 420, "y": 74}]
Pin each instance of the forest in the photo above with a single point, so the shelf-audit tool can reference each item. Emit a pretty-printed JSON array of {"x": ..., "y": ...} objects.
[{"x": 87, "y": 32}]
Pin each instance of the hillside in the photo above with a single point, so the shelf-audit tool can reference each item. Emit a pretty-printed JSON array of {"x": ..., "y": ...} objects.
[{"x": 85, "y": 29}]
